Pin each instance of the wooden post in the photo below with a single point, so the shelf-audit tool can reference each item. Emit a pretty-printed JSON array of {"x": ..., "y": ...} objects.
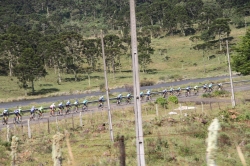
[
  {"x": 29, "y": 131},
  {"x": 202, "y": 108},
  {"x": 80, "y": 116},
  {"x": 210, "y": 106},
  {"x": 122, "y": 152},
  {"x": 57, "y": 124},
  {"x": 219, "y": 105},
  {"x": 48, "y": 127},
  {"x": 72, "y": 121},
  {"x": 156, "y": 109},
  {"x": 8, "y": 132}
]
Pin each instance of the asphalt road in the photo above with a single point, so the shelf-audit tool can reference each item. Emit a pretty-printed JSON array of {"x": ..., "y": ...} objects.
[
  {"x": 119, "y": 90},
  {"x": 93, "y": 107}
]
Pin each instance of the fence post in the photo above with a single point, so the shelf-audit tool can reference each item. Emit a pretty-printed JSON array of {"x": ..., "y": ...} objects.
[
  {"x": 219, "y": 105},
  {"x": 72, "y": 121},
  {"x": 48, "y": 127},
  {"x": 8, "y": 133},
  {"x": 57, "y": 124},
  {"x": 29, "y": 131},
  {"x": 81, "y": 119},
  {"x": 122, "y": 152},
  {"x": 202, "y": 107},
  {"x": 156, "y": 108},
  {"x": 210, "y": 106}
]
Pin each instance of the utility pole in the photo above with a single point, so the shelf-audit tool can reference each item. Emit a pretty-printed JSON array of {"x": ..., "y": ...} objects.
[
  {"x": 107, "y": 90},
  {"x": 230, "y": 75},
  {"x": 137, "y": 101}
]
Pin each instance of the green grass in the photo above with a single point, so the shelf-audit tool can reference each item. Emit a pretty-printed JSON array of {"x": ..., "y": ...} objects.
[{"x": 183, "y": 63}]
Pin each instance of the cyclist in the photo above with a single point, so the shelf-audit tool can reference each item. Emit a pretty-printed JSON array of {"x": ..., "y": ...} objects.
[
  {"x": 5, "y": 116},
  {"x": 32, "y": 113},
  {"x": 40, "y": 111},
  {"x": 76, "y": 103},
  {"x": 220, "y": 86},
  {"x": 60, "y": 107},
  {"x": 205, "y": 88},
  {"x": 85, "y": 105},
  {"x": 210, "y": 87},
  {"x": 52, "y": 109},
  {"x": 141, "y": 95},
  {"x": 196, "y": 91},
  {"x": 164, "y": 93},
  {"x": 171, "y": 91},
  {"x": 148, "y": 95},
  {"x": 101, "y": 100},
  {"x": 128, "y": 98},
  {"x": 17, "y": 112},
  {"x": 178, "y": 91},
  {"x": 188, "y": 91},
  {"x": 119, "y": 99},
  {"x": 67, "y": 107}
]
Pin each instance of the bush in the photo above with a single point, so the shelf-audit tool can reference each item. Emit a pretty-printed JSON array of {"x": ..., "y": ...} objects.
[
  {"x": 207, "y": 95},
  {"x": 129, "y": 88},
  {"x": 173, "y": 99},
  {"x": 220, "y": 93},
  {"x": 161, "y": 101},
  {"x": 102, "y": 87},
  {"x": 147, "y": 83}
]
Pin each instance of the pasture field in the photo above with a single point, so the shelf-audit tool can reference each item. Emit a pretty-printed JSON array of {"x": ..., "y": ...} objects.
[{"x": 183, "y": 63}]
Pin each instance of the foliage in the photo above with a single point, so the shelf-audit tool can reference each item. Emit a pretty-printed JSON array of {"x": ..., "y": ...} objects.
[
  {"x": 146, "y": 83},
  {"x": 29, "y": 68},
  {"x": 161, "y": 101},
  {"x": 173, "y": 99},
  {"x": 241, "y": 61},
  {"x": 207, "y": 95},
  {"x": 220, "y": 93}
]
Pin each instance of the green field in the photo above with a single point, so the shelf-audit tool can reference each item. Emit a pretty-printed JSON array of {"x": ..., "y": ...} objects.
[{"x": 183, "y": 63}]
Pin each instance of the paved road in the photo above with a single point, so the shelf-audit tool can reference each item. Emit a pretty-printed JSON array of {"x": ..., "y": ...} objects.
[
  {"x": 93, "y": 107},
  {"x": 119, "y": 90}
]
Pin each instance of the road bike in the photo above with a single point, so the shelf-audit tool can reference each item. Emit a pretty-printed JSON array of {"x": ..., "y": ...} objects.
[
  {"x": 84, "y": 108},
  {"x": 5, "y": 120},
  {"x": 17, "y": 119}
]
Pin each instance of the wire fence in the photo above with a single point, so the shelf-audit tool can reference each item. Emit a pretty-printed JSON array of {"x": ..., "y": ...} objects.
[{"x": 92, "y": 132}]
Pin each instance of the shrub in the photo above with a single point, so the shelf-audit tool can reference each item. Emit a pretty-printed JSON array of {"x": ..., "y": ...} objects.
[
  {"x": 207, "y": 95},
  {"x": 220, "y": 93},
  {"x": 102, "y": 87},
  {"x": 173, "y": 99},
  {"x": 175, "y": 77},
  {"x": 161, "y": 101},
  {"x": 146, "y": 83},
  {"x": 129, "y": 88}
]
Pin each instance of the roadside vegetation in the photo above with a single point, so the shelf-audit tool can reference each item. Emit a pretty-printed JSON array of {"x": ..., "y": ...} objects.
[{"x": 169, "y": 139}]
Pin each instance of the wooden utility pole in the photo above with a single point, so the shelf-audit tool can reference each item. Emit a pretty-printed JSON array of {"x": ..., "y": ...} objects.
[
  {"x": 137, "y": 101},
  {"x": 107, "y": 90},
  {"x": 230, "y": 75},
  {"x": 122, "y": 151}
]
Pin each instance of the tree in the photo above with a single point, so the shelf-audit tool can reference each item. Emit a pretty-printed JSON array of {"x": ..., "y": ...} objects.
[
  {"x": 241, "y": 61},
  {"x": 145, "y": 51},
  {"x": 29, "y": 68}
]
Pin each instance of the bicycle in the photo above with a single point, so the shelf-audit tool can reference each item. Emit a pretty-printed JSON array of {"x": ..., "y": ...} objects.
[
  {"x": 128, "y": 100},
  {"x": 118, "y": 102},
  {"x": 33, "y": 116},
  {"x": 196, "y": 91},
  {"x": 39, "y": 114},
  {"x": 17, "y": 119},
  {"x": 100, "y": 104},
  {"x": 84, "y": 108},
  {"x": 67, "y": 109},
  {"x": 5, "y": 120},
  {"x": 148, "y": 98},
  {"x": 187, "y": 93}
]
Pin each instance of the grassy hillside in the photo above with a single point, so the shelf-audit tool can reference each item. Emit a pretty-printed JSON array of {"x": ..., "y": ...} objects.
[{"x": 183, "y": 63}]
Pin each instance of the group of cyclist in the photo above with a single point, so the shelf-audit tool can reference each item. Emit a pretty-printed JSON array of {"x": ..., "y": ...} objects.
[
  {"x": 18, "y": 117},
  {"x": 207, "y": 88}
]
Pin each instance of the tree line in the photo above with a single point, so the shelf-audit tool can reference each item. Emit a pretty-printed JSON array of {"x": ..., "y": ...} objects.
[{"x": 28, "y": 54}]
